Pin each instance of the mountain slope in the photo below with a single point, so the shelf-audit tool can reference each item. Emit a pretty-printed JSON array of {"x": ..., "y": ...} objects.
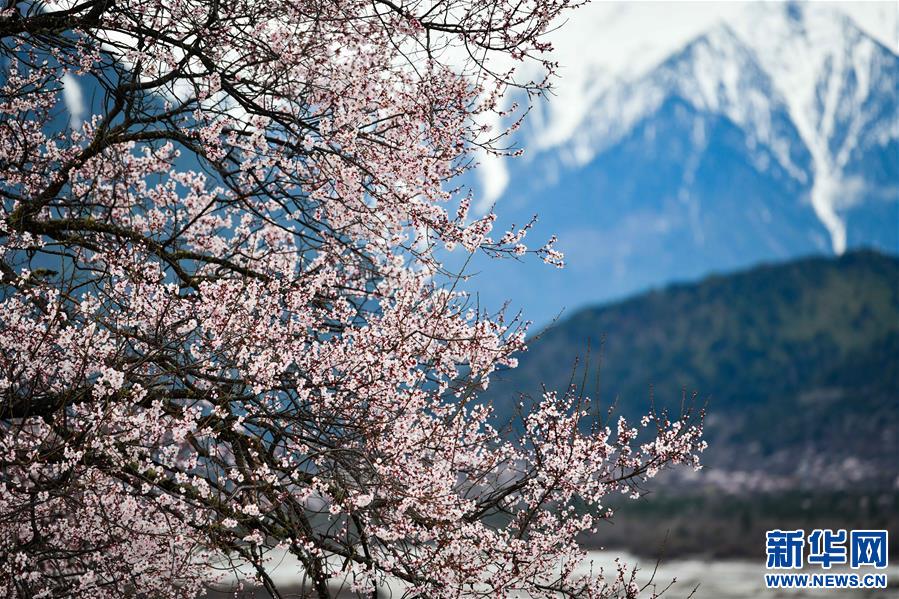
[
  {"x": 804, "y": 84},
  {"x": 766, "y": 137},
  {"x": 799, "y": 363}
]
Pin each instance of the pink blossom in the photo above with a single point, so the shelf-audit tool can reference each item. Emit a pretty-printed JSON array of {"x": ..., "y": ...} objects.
[{"x": 225, "y": 325}]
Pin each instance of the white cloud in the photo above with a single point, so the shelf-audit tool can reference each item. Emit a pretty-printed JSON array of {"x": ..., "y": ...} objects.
[{"x": 74, "y": 100}]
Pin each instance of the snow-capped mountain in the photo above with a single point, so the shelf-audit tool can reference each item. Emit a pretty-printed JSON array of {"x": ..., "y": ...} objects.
[
  {"x": 803, "y": 71},
  {"x": 772, "y": 133}
]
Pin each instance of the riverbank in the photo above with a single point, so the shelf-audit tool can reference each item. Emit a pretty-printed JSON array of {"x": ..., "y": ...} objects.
[{"x": 711, "y": 524}]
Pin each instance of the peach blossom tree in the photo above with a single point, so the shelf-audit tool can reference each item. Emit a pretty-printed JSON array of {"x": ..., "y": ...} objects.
[{"x": 226, "y": 328}]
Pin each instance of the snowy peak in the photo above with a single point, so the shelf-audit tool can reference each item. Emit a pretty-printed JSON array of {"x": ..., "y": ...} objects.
[
  {"x": 804, "y": 83},
  {"x": 716, "y": 71},
  {"x": 719, "y": 73}
]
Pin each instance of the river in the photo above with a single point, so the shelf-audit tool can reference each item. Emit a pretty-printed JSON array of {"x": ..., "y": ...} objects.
[
  {"x": 738, "y": 578},
  {"x": 715, "y": 579}
]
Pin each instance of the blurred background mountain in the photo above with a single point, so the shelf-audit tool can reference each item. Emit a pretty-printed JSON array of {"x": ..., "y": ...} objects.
[
  {"x": 724, "y": 181},
  {"x": 726, "y": 134},
  {"x": 803, "y": 352},
  {"x": 797, "y": 363}
]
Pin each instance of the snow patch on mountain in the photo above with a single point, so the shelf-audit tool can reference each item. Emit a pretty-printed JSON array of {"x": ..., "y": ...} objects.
[
  {"x": 716, "y": 73},
  {"x": 824, "y": 64},
  {"x": 804, "y": 81}
]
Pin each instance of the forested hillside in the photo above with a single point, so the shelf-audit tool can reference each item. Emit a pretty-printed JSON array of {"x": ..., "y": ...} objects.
[{"x": 797, "y": 363}]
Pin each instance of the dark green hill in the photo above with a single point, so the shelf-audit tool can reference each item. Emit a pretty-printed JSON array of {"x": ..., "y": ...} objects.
[{"x": 799, "y": 363}]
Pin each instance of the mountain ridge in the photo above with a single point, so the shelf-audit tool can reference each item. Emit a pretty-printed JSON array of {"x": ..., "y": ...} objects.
[
  {"x": 807, "y": 351},
  {"x": 785, "y": 82},
  {"x": 699, "y": 162},
  {"x": 808, "y": 109}
]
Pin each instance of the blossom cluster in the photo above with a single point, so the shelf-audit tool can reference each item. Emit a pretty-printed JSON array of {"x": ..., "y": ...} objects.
[{"x": 225, "y": 326}]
